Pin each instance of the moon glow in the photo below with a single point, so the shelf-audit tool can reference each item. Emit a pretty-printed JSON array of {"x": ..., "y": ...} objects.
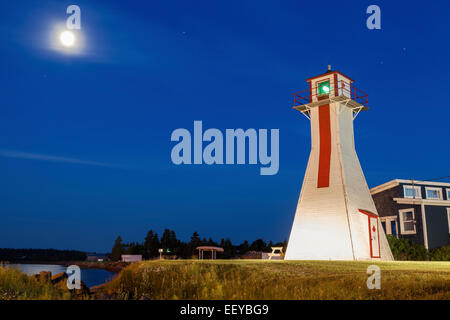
[{"x": 67, "y": 38}]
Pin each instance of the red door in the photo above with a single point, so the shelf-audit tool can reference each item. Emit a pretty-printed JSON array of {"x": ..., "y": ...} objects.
[
  {"x": 374, "y": 237},
  {"x": 374, "y": 233}
]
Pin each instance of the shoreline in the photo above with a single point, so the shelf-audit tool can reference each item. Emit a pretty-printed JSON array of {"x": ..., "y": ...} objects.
[{"x": 110, "y": 266}]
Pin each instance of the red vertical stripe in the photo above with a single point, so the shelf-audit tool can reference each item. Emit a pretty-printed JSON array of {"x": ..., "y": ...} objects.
[
  {"x": 336, "y": 93},
  {"x": 323, "y": 179}
]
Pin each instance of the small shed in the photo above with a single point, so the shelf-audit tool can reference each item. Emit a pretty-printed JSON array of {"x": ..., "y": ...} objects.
[
  {"x": 211, "y": 249},
  {"x": 131, "y": 257}
]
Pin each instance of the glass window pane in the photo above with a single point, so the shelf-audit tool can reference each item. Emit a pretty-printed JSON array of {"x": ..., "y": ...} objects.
[
  {"x": 411, "y": 192},
  {"x": 407, "y": 216},
  {"x": 408, "y": 192},
  {"x": 433, "y": 194},
  {"x": 408, "y": 226}
]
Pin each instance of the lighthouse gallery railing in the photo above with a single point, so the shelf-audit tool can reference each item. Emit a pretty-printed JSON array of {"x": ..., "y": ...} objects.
[{"x": 343, "y": 88}]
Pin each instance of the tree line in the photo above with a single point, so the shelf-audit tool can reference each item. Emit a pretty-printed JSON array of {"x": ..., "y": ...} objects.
[
  {"x": 40, "y": 255},
  {"x": 149, "y": 248}
]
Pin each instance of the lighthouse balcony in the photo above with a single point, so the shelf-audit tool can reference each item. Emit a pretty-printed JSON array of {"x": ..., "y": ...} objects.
[{"x": 341, "y": 91}]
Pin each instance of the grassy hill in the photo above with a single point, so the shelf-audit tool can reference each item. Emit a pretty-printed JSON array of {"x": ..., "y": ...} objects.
[
  {"x": 15, "y": 285},
  {"x": 260, "y": 279}
]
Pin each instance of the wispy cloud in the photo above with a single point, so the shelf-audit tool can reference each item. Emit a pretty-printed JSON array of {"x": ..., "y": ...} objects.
[{"x": 44, "y": 157}]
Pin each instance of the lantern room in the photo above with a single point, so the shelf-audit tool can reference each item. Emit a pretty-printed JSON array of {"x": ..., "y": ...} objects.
[{"x": 331, "y": 86}]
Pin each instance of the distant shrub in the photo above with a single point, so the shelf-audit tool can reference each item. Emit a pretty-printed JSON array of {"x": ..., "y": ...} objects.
[
  {"x": 440, "y": 254},
  {"x": 403, "y": 249}
]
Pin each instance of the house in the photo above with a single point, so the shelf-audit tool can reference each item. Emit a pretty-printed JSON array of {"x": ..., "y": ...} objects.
[{"x": 415, "y": 210}]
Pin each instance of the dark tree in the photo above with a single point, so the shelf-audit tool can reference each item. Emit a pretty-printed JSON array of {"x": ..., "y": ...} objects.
[
  {"x": 156, "y": 244},
  {"x": 228, "y": 249},
  {"x": 173, "y": 242},
  {"x": 194, "y": 243},
  {"x": 134, "y": 248},
  {"x": 211, "y": 242},
  {"x": 258, "y": 245},
  {"x": 269, "y": 247},
  {"x": 151, "y": 245},
  {"x": 148, "y": 244},
  {"x": 195, "y": 239},
  {"x": 117, "y": 249},
  {"x": 184, "y": 250},
  {"x": 40, "y": 255},
  {"x": 243, "y": 247},
  {"x": 165, "y": 239},
  {"x": 169, "y": 240}
]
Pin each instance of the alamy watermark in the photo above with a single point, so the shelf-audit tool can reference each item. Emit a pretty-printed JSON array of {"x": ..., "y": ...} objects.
[
  {"x": 374, "y": 279},
  {"x": 235, "y": 140},
  {"x": 374, "y": 20},
  {"x": 73, "y": 22},
  {"x": 73, "y": 277}
]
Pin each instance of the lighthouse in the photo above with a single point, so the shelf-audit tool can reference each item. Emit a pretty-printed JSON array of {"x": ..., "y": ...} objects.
[{"x": 336, "y": 218}]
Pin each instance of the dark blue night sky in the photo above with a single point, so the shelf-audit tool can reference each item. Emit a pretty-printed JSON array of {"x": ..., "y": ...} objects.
[{"x": 85, "y": 139}]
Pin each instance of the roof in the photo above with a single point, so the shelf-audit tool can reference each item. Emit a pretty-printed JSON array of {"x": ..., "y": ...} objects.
[
  {"x": 396, "y": 182},
  {"x": 219, "y": 249},
  {"x": 328, "y": 73}
]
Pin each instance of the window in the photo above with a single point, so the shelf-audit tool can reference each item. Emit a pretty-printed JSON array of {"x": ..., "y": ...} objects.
[
  {"x": 394, "y": 228},
  {"x": 412, "y": 192},
  {"x": 433, "y": 193},
  {"x": 448, "y": 219},
  {"x": 323, "y": 88},
  {"x": 448, "y": 194},
  {"x": 390, "y": 225},
  {"x": 407, "y": 222}
]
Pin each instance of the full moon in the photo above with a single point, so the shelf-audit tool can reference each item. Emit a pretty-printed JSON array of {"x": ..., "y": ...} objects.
[{"x": 67, "y": 38}]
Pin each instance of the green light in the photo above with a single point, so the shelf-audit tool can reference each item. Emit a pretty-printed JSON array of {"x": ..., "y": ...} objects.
[{"x": 323, "y": 88}]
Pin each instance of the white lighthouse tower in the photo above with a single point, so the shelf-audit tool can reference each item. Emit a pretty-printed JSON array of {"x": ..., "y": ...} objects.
[{"x": 336, "y": 218}]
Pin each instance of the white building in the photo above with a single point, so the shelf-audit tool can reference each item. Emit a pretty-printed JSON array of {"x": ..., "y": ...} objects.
[
  {"x": 336, "y": 218},
  {"x": 131, "y": 257}
]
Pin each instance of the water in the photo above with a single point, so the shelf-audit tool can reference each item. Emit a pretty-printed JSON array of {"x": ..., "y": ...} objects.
[{"x": 91, "y": 277}]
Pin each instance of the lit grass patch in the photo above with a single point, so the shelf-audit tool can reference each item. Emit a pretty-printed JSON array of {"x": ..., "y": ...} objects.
[
  {"x": 259, "y": 279},
  {"x": 15, "y": 285}
]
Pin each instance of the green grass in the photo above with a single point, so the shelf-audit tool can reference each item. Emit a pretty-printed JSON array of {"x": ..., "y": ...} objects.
[
  {"x": 259, "y": 279},
  {"x": 15, "y": 285}
]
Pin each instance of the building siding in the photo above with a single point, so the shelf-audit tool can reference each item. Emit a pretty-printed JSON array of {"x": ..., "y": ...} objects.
[
  {"x": 384, "y": 202},
  {"x": 386, "y": 206},
  {"x": 437, "y": 226}
]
